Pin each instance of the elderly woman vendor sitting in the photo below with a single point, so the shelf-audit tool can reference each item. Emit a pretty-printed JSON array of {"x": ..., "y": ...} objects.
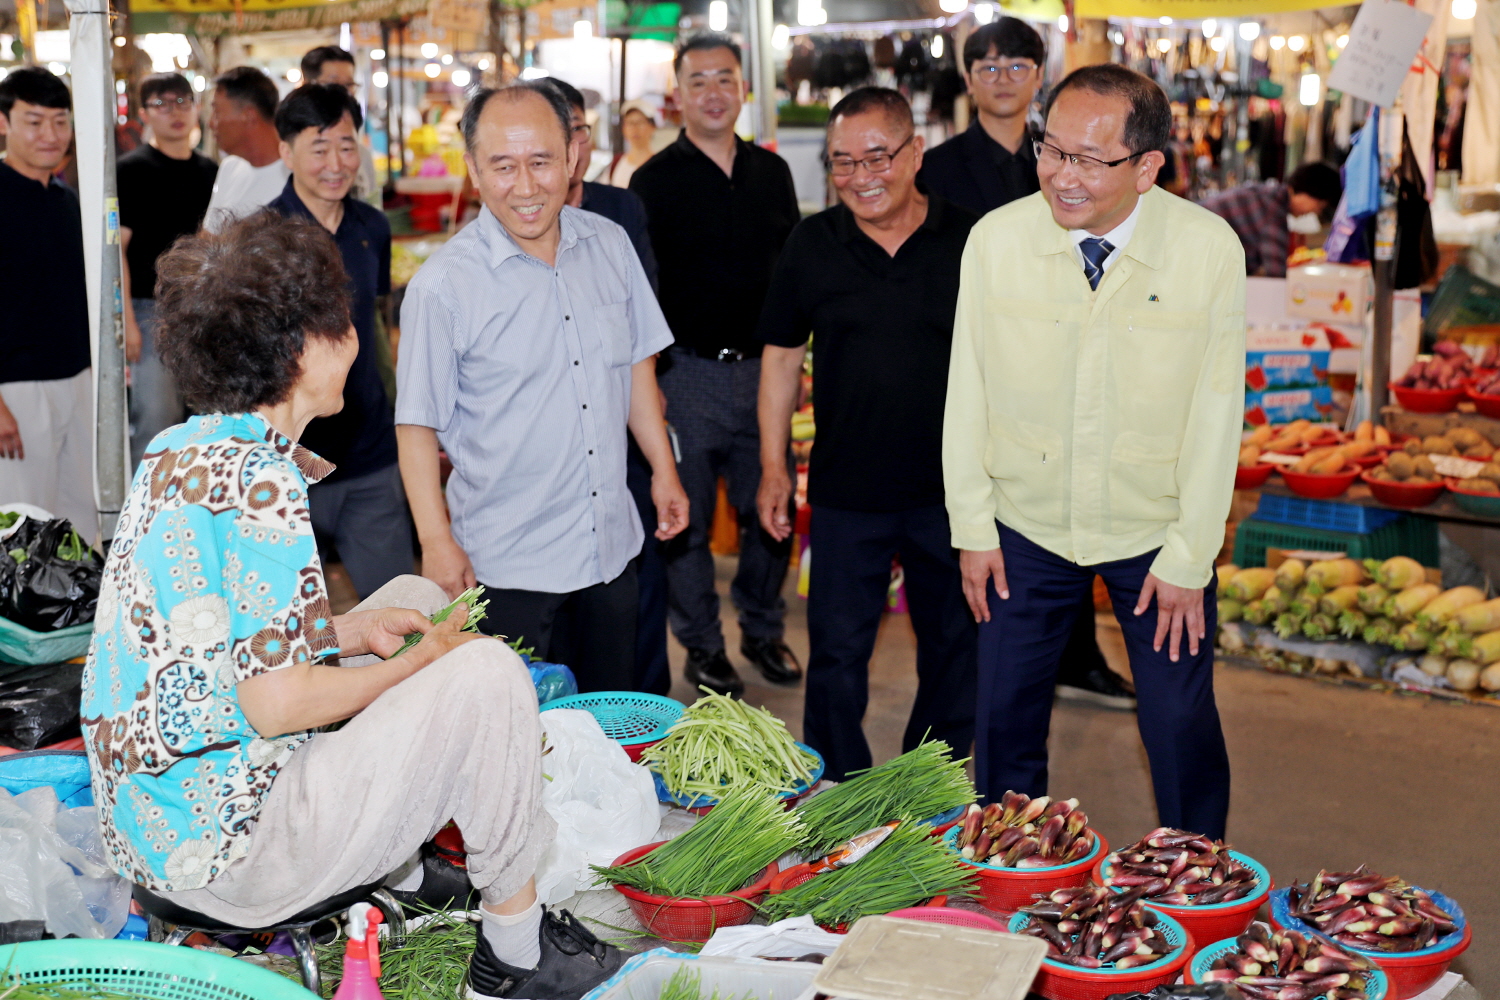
[{"x": 212, "y": 659}]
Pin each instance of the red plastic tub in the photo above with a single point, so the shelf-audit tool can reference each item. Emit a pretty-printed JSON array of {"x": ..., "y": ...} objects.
[
  {"x": 1412, "y": 974},
  {"x": 691, "y": 919},
  {"x": 1427, "y": 400},
  {"x": 1318, "y": 486},
  {"x": 1248, "y": 477},
  {"x": 797, "y": 874},
  {"x": 1220, "y": 920},
  {"x": 1398, "y": 494},
  {"x": 1006, "y": 890},
  {"x": 1057, "y": 981},
  {"x": 949, "y": 915},
  {"x": 1484, "y": 402}
]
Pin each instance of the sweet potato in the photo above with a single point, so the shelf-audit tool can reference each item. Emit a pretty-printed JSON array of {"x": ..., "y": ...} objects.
[
  {"x": 1328, "y": 464},
  {"x": 1365, "y": 431},
  {"x": 1382, "y": 437}
]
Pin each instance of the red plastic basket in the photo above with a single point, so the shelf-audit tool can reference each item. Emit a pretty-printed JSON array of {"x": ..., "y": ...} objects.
[
  {"x": 1057, "y": 981},
  {"x": 1317, "y": 485},
  {"x": 1006, "y": 890},
  {"x": 1427, "y": 400},
  {"x": 1248, "y": 477},
  {"x": 673, "y": 919},
  {"x": 635, "y": 750},
  {"x": 949, "y": 915},
  {"x": 1225, "y": 920},
  {"x": 1399, "y": 494},
  {"x": 1412, "y": 974},
  {"x": 797, "y": 874},
  {"x": 1486, "y": 403}
]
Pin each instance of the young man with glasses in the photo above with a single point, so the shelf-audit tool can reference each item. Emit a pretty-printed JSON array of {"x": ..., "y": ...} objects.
[
  {"x": 876, "y": 277},
  {"x": 1095, "y": 400},
  {"x": 164, "y": 188}
]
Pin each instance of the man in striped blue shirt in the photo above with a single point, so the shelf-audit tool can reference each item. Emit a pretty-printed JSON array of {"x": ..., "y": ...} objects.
[{"x": 528, "y": 346}]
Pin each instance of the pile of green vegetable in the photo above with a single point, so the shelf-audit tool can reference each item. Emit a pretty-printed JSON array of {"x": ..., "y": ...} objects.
[
  {"x": 687, "y": 984},
  {"x": 719, "y": 743},
  {"x": 720, "y": 853},
  {"x": 429, "y": 965},
  {"x": 477, "y": 612},
  {"x": 917, "y": 785},
  {"x": 907, "y": 869}
]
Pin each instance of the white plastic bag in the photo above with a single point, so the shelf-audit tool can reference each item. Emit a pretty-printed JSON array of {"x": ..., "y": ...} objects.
[
  {"x": 789, "y": 938},
  {"x": 52, "y": 868},
  {"x": 603, "y": 804}
]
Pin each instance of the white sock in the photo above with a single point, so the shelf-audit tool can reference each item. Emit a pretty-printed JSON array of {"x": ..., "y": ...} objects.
[
  {"x": 407, "y": 878},
  {"x": 516, "y": 939}
]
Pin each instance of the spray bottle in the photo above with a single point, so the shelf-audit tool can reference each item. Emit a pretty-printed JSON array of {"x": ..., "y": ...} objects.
[{"x": 361, "y": 956}]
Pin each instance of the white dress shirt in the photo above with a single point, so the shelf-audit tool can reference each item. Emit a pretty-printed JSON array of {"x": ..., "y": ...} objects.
[{"x": 1117, "y": 238}]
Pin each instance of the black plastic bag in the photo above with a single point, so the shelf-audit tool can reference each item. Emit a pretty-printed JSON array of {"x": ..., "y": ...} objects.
[
  {"x": 39, "y": 705},
  {"x": 43, "y": 590}
]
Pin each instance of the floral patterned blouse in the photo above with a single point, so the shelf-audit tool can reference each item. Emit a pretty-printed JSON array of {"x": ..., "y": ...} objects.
[{"x": 213, "y": 578}]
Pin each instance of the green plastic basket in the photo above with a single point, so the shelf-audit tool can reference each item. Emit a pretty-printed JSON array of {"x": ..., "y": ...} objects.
[
  {"x": 1462, "y": 298},
  {"x": 19, "y": 644},
  {"x": 1416, "y": 537},
  {"x": 145, "y": 970}
]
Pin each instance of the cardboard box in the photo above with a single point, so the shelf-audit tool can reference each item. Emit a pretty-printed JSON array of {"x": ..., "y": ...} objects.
[
  {"x": 1267, "y": 370},
  {"x": 1282, "y": 406},
  {"x": 1333, "y": 293}
]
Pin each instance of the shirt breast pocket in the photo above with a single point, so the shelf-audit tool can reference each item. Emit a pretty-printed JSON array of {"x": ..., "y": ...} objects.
[
  {"x": 612, "y": 327},
  {"x": 1156, "y": 356}
]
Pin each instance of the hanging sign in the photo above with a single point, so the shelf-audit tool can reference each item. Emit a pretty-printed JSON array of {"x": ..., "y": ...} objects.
[
  {"x": 460, "y": 15},
  {"x": 1191, "y": 10},
  {"x": 207, "y": 18},
  {"x": 1386, "y": 34}
]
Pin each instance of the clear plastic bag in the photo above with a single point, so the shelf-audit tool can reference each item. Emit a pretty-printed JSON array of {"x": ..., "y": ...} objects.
[
  {"x": 603, "y": 803},
  {"x": 52, "y": 868}
]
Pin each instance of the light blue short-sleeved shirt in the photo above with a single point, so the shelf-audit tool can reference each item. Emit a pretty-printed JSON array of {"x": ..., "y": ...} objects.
[{"x": 523, "y": 369}]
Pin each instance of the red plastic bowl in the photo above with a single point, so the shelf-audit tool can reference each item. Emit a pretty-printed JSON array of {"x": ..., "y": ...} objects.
[
  {"x": 1317, "y": 486},
  {"x": 1065, "y": 982},
  {"x": 797, "y": 874},
  {"x": 1484, "y": 402},
  {"x": 1215, "y": 924},
  {"x": 1412, "y": 974},
  {"x": 949, "y": 915},
  {"x": 1006, "y": 890},
  {"x": 1427, "y": 400},
  {"x": 673, "y": 919},
  {"x": 635, "y": 750},
  {"x": 1398, "y": 494},
  {"x": 1248, "y": 477}
]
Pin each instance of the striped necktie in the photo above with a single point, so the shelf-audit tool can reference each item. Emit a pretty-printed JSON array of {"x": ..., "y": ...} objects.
[{"x": 1096, "y": 251}]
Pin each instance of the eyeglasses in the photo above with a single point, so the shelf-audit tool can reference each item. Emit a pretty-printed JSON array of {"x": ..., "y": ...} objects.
[
  {"x": 878, "y": 163},
  {"x": 580, "y": 131},
  {"x": 1015, "y": 72},
  {"x": 1087, "y": 166},
  {"x": 176, "y": 102}
]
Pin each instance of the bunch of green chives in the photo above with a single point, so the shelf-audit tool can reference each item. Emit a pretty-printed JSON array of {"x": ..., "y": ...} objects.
[
  {"x": 718, "y": 854},
  {"x": 687, "y": 984},
  {"x": 720, "y": 743},
  {"x": 471, "y": 597}
]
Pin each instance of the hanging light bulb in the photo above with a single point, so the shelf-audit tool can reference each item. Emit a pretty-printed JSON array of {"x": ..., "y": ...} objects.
[
  {"x": 377, "y": 54},
  {"x": 1310, "y": 90},
  {"x": 1165, "y": 20},
  {"x": 429, "y": 50},
  {"x": 461, "y": 77},
  {"x": 1464, "y": 10},
  {"x": 379, "y": 79},
  {"x": 1164, "y": 45},
  {"x": 936, "y": 47},
  {"x": 1278, "y": 42},
  {"x": 1249, "y": 30},
  {"x": 583, "y": 28},
  {"x": 432, "y": 70},
  {"x": 1210, "y": 27},
  {"x": 984, "y": 13},
  {"x": 718, "y": 15},
  {"x": 1217, "y": 43},
  {"x": 1296, "y": 43},
  {"x": 781, "y": 37},
  {"x": 1062, "y": 23}
]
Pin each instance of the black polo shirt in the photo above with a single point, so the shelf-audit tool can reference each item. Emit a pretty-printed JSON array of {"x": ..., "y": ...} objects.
[
  {"x": 44, "y": 313},
  {"x": 360, "y": 438},
  {"x": 883, "y": 329},
  {"x": 161, "y": 198},
  {"x": 716, "y": 239}
]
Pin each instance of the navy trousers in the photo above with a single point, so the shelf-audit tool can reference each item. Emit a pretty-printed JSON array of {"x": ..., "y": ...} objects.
[
  {"x": 851, "y": 555},
  {"x": 1019, "y": 649},
  {"x": 651, "y": 671}
]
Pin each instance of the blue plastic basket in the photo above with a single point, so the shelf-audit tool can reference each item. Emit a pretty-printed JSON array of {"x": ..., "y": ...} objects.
[
  {"x": 1329, "y": 515},
  {"x": 1376, "y": 983},
  {"x": 1170, "y": 929},
  {"x": 947, "y": 816},
  {"x": 950, "y": 841},
  {"x": 1281, "y": 912},
  {"x": 627, "y": 717},
  {"x": 1262, "y": 878},
  {"x": 65, "y": 771},
  {"x": 707, "y": 801},
  {"x": 145, "y": 971}
]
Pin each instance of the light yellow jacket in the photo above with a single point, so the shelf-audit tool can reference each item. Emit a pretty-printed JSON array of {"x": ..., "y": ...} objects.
[{"x": 1099, "y": 424}]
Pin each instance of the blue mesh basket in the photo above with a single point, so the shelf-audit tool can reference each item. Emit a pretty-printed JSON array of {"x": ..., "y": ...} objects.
[
  {"x": 627, "y": 717},
  {"x": 950, "y": 841},
  {"x": 146, "y": 971},
  {"x": 947, "y": 816},
  {"x": 1376, "y": 983},
  {"x": 705, "y": 801},
  {"x": 1262, "y": 879},
  {"x": 1281, "y": 912},
  {"x": 1170, "y": 929}
]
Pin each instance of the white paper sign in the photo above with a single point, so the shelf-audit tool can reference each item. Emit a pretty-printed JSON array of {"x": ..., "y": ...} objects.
[{"x": 1385, "y": 37}]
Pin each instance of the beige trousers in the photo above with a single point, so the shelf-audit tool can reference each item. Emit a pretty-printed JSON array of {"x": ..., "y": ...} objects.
[
  {"x": 56, "y": 419},
  {"x": 459, "y": 740}
]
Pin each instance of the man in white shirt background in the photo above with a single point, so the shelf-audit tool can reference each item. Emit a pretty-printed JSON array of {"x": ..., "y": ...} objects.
[{"x": 251, "y": 173}]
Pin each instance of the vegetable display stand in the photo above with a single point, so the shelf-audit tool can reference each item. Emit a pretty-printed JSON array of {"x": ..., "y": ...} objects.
[
  {"x": 1059, "y": 981},
  {"x": 1005, "y": 890},
  {"x": 1411, "y": 536},
  {"x": 691, "y": 919},
  {"x": 797, "y": 874},
  {"x": 1213, "y": 921},
  {"x": 1377, "y": 986},
  {"x": 632, "y": 719},
  {"x": 1409, "y": 972},
  {"x": 143, "y": 971}
]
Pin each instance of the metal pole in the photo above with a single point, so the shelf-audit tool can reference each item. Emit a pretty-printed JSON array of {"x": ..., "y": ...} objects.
[
  {"x": 1384, "y": 272},
  {"x": 759, "y": 17},
  {"x": 385, "y": 108},
  {"x": 617, "y": 127},
  {"x": 399, "y": 78}
]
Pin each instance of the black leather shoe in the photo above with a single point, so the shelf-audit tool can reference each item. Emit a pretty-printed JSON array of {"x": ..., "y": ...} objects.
[
  {"x": 712, "y": 669},
  {"x": 1100, "y": 686},
  {"x": 445, "y": 886},
  {"x": 573, "y": 962},
  {"x": 773, "y": 658}
]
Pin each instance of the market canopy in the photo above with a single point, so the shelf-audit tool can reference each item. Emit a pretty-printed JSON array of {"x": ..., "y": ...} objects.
[
  {"x": 1190, "y": 10},
  {"x": 222, "y": 17}
]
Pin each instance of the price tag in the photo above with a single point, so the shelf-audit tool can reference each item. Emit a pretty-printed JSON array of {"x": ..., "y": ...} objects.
[{"x": 1382, "y": 42}]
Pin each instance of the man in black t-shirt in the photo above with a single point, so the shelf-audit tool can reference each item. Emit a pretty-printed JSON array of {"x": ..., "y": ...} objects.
[
  {"x": 876, "y": 277},
  {"x": 164, "y": 187},
  {"x": 46, "y": 387}
]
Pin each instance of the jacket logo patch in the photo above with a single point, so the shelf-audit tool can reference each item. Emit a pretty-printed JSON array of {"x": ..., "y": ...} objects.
[{"x": 1153, "y": 298}]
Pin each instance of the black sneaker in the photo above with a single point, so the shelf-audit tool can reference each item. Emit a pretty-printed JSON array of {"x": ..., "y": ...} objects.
[
  {"x": 1100, "y": 686},
  {"x": 573, "y": 962},
  {"x": 445, "y": 886},
  {"x": 712, "y": 669},
  {"x": 773, "y": 658}
]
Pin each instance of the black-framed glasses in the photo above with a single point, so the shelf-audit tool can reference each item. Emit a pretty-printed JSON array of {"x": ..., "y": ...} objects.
[
  {"x": 875, "y": 163},
  {"x": 1015, "y": 72},
  {"x": 580, "y": 131},
  {"x": 169, "y": 102},
  {"x": 1089, "y": 166}
]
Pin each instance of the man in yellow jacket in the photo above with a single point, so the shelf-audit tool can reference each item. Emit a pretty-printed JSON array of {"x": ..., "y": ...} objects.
[{"x": 1095, "y": 400}]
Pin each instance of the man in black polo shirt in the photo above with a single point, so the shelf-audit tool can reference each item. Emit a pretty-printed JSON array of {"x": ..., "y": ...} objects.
[
  {"x": 362, "y": 505},
  {"x": 876, "y": 277},
  {"x": 46, "y": 388},
  {"x": 719, "y": 210},
  {"x": 164, "y": 187}
]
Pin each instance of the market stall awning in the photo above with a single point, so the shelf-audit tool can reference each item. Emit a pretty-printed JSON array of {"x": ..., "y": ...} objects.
[
  {"x": 1191, "y": 10},
  {"x": 221, "y": 17}
]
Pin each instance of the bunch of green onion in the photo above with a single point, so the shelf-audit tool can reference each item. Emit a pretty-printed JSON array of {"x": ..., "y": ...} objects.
[
  {"x": 917, "y": 785},
  {"x": 720, "y": 743},
  {"x": 720, "y": 853},
  {"x": 687, "y": 984},
  {"x": 476, "y": 615},
  {"x": 908, "y": 869}
]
